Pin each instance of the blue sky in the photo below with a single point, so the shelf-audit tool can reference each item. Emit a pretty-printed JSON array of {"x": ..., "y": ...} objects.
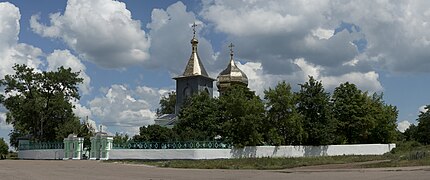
[{"x": 128, "y": 51}]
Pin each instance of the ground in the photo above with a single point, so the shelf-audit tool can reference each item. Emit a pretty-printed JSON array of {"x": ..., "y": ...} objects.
[{"x": 95, "y": 170}]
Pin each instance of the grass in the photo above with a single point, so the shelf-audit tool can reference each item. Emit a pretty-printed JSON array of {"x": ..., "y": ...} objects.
[
  {"x": 256, "y": 163},
  {"x": 406, "y": 154}
]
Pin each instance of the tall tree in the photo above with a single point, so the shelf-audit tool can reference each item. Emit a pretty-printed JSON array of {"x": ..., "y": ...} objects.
[
  {"x": 167, "y": 104},
  {"x": 423, "y": 129},
  {"x": 198, "y": 119},
  {"x": 314, "y": 105},
  {"x": 284, "y": 123},
  {"x": 4, "y": 149},
  {"x": 242, "y": 116},
  {"x": 384, "y": 117},
  {"x": 351, "y": 110},
  {"x": 38, "y": 103}
]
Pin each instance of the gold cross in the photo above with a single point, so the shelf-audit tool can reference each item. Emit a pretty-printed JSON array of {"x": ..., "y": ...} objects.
[
  {"x": 231, "y": 48},
  {"x": 194, "y": 29}
]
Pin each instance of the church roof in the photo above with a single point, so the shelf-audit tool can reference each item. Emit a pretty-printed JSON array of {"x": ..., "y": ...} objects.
[
  {"x": 232, "y": 74},
  {"x": 195, "y": 66}
]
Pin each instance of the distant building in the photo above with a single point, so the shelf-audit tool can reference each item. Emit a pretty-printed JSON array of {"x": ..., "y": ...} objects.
[{"x": 195, "y": 79}]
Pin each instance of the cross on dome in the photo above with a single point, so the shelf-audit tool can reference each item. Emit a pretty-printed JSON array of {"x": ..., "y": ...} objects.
[{"x": 194, "y": 29}]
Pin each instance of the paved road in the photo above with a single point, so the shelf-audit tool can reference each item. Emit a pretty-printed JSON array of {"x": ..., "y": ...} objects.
[{"x": 82, "y": 170}]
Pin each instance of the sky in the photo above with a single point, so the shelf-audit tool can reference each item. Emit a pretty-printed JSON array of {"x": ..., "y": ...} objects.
[{"x": 128, "y": 51}]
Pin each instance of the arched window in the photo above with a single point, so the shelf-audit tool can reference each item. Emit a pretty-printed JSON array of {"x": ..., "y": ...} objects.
[{"x": 187, "y": 92}]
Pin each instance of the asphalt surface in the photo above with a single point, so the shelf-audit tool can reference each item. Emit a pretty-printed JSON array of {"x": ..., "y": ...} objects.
[{"x": 94, "y": 170}]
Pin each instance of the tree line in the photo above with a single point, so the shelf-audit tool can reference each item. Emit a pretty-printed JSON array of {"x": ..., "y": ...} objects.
[{"x": 310, "y": 116}]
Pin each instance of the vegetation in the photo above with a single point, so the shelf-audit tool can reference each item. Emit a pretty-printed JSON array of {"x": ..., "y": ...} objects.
[
  {"x": 4, "y": 149},
  {"x": 39, "y": 103},
  {"x": 314, "y": 105},
  {"x": 241, "y": 114},
  {"x": 257, "y": 163},
  {"x": 199, "y": 119},
  {"x": 284, "y": 122},
  {"x": 310, "y": 116},
  {"x": 155, "y": 133},
  {"x": 167, "y": 104}
]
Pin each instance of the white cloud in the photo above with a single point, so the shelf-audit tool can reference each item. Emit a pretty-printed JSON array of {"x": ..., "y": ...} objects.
[
  {"x": 101, "y": 31},
  {"x": 12, "y": 52},
  {"x": 403, "y": 125},
  {"x": 321, "y": 33},
  {"x": 65, "y": 58},
  {"x": 274, "y": 33},
  {"x": 422, "y": 109},
  {"x": 124, "y": 109},
  {"x": 171, "y": 32},
  {"x": 3, "y": 124}
]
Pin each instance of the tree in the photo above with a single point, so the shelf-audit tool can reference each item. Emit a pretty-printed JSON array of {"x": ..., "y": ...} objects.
[
  {"x": 423, "y": 129},
  {"x": 411, "y": 134},
  {"x": 241, "y": 115},
  {"x": 120, "y": 138},
  {"x": 284, "y": 123},
  {"x": 384, "y": 117},
  {"x": 155, "y": 133},
  {"x": 351, "y": 109},
  {"x": 3, "y": 149},
  {"x": 198, "y": 119},
  {"x": 313, "y": 104},
  {"x": 38, "y": 103},
  {"x": 167, "y": 104}
]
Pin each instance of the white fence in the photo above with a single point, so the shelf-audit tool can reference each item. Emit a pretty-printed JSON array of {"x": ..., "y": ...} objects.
[
  {"x": 47, "y": 154},
  {"x": 252, "y": 151}
]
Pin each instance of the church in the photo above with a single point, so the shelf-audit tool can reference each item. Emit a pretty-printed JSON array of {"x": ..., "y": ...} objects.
[{"x": 195, "y": 79}]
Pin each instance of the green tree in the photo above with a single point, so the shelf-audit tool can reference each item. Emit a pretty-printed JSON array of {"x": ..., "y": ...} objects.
[
  {"x": 284, "y": 123},
  {"x": 167, "y": 104},
  {"x": 423, "y": 129},
  {"x": 155, "y": 133},
  {"x": 4, "y": 149},
  {"x": 241, "y": 115},
  {"x": 351, "y": 109},
  {"x": 384, "y": 116},
  {"x": 314, "y": 105},
  {"x": 198, "y": 119},
  {"x": 120, "y": 138},
  {"x": 38, "y": 103},
  {"x": 411, "y": 134}
]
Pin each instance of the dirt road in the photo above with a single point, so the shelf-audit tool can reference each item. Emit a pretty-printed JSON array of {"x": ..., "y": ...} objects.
[{"x": 94, "y": 170}]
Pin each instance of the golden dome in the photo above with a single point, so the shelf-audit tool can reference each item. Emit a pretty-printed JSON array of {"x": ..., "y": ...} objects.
[{"x": 231, "y": 75}]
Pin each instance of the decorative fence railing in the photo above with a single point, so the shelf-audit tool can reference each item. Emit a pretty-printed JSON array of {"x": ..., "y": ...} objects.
[
  {"x": 41, "y": 145},
  {"x": 173, "y": 145}
]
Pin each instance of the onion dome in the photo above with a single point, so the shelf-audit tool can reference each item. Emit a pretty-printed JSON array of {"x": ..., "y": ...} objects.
[{"x": 231, "y": 75}]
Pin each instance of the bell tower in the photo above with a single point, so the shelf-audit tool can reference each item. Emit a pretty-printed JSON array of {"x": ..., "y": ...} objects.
[{"x": 194, "y": 79}]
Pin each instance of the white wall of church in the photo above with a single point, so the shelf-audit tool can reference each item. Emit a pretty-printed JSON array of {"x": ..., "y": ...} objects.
[
  {"x": 41, "y": 154},
  {"x": 253, "y": 151}
]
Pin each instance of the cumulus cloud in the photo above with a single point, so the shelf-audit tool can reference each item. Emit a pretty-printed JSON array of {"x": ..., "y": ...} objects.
[
  {"x": 126, "y": 109},
  {"x": 171, "y": 32},
  {"x": 12, "y": 52},
  {"x": 66, "y": 59},
  {"x": 259, "y": 81},
  {"x": 403, "y": 125},
  {"x": 101, "y": 31},
  {"x": 344, "y": 40}
]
